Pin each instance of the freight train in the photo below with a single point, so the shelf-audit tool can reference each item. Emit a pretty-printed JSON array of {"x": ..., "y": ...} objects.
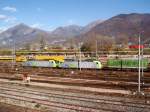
[
  {"x": 84, "y": 64},
  {"x": 66, "y": 64},
  {"x": 60, "y": 62}
]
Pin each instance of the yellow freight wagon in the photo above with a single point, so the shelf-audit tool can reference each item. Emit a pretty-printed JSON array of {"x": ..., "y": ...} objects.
[
  {"x": 6, "y": 57},
  {"x": 21, "y": 58},
  {"x": 46, "y": 57}
]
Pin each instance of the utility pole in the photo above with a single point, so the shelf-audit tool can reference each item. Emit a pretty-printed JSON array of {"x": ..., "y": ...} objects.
[
  {"x": 96, "y": 51},
  {"x": 80, "y": 44},
  {"x": 139, "y": 71},
  {"x": 142, "y": 61},
  {"x": 13, "y": 52}
]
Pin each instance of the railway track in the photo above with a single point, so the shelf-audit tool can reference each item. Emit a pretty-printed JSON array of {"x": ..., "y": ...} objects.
[
  {"x": 104, "y": 69},
  {"x": 6, "y": 65},
  {"x": 84, "y": 74},
  {"x": 107, "y": 75},
  {"x": 50, "y": 100},
  {"x": 104, "y": 77},
  {"x": 112, "y": 77},
  {"x": 112, "y": 81},
  {"x": 99, "y": 83},
  {"x": 125, "y": 69},
  {"x": 42, "y": 70}
]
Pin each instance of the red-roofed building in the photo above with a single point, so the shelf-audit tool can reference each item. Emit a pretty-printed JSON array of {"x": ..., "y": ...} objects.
[{"x": 136, "y": 46}]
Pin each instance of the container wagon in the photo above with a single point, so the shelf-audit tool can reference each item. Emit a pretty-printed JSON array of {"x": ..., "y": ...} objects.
[
  {"x": 127, "y": 63},
  {"x": 82, "y": 64},
  {"x": 50, "y": 63}
]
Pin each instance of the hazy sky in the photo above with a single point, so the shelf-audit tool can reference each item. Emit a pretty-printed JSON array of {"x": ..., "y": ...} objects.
[{"x": 49, "y": 14}]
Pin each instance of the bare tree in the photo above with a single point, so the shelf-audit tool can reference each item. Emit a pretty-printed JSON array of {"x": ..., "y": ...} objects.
[
  {"x": 42, "y": 41},
  {"x": 27, "y": 46}
]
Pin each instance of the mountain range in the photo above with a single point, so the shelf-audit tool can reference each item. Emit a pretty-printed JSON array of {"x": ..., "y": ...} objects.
[{"x": 123, "y": 28}]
